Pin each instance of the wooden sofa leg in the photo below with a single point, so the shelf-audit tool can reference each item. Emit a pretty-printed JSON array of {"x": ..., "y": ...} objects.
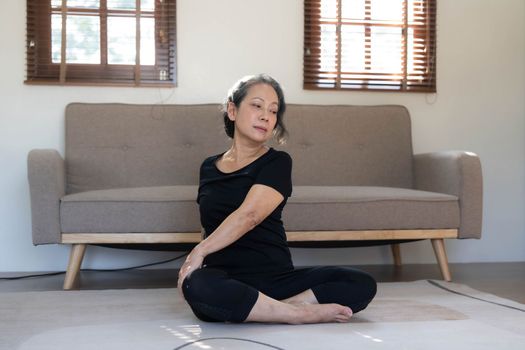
[
  {"x": 75, "y": 261},
  {"x": 396, "y": 253},
  {"x": 441, "y": 255}
]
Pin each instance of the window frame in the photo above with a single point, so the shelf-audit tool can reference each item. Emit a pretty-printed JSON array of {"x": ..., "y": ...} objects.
[
  {"x": 314, "y": 78},
  {"x": 42, "y": 70}
]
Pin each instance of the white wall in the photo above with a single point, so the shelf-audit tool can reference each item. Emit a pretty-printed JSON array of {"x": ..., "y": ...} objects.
[{"x": 480, "y": 106}]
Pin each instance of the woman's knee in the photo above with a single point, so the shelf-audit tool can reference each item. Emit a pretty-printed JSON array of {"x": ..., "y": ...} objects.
[
  {"x": 213, "y": 296},
  {"x": 367, "y": 292},
  {"x": 350, "y": 287},
  {"x": 369, "y": 286},
  {"x": 198, "y": 285}
]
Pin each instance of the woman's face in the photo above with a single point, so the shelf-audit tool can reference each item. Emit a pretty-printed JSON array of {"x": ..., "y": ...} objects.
[{"x": 256, "y": 116}]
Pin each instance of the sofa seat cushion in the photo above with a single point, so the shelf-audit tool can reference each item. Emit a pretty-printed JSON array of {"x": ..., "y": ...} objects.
[
  {"x": 339, "y": 208},
  {"x": 141, "y": 209},
  {"x": 323, "y": 208}
]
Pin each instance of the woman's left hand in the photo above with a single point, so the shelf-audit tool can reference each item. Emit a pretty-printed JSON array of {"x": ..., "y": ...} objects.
[{"x": 192, "y": 263}]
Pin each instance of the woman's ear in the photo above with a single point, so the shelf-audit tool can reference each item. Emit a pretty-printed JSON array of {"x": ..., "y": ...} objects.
[{"x": 232, "y": 111}]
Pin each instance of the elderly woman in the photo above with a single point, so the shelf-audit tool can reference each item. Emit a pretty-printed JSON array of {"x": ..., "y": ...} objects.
[{"x": 242, "y": 271}]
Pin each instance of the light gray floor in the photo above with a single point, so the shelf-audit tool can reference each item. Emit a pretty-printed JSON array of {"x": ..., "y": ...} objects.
[
  {"x": 505, "y": 280},
  {"x": 406, "y": 315}
]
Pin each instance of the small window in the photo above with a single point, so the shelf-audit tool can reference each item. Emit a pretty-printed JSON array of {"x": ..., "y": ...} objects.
[
  {"x": 384, "y": 45},
  {"x": 101, "y": 42}
]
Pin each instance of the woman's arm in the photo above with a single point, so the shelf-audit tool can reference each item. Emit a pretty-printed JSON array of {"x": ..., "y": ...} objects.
[{"x": 260, "y": 202}]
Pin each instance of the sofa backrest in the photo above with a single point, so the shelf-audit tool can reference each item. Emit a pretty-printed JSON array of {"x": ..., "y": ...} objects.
[
  {"x": 122, "y": 145},
  {"x": 350, "y": 145}
]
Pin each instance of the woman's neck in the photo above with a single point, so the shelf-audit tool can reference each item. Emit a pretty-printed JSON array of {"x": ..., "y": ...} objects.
[{"x": 240, "y": 154}]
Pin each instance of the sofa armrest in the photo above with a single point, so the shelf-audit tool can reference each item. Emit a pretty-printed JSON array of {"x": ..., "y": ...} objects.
[
  {"x": 457, "y": 173},
  {"x": 47, "y": 184}
]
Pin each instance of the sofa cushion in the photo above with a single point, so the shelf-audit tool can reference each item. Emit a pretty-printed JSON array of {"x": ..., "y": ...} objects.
[
  {"x": 118, "y": 145},
  {"x": 173, "y": 209},
  {"x": 122, "y": 146},
  {"x": 334, "y": 208},
  {"x": 350, "y": 145},
  {"x": 142, "y": 209}
]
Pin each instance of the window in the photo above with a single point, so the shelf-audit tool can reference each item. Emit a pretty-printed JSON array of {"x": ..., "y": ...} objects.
[
  {"x": 370, "y": 45},
  {"x": 101, "y": 42}
]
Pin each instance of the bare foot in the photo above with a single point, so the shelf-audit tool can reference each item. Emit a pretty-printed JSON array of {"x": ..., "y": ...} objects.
[
  {"x": 296, "y": 311},
  {"x": 296, "y": 302},
  {"x": 322, "y": 313},
  {"x": 306, "y": 297}
]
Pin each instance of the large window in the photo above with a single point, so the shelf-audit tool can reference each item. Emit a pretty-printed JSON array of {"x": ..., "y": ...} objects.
[
  {"x": 370, "y": 45},
  {"x": 101, "y": 42}
]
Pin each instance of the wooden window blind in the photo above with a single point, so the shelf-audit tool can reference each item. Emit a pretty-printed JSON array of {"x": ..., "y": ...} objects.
[
  {"x": 385, "y": 45},
  {"x": 101, "y": 42}
]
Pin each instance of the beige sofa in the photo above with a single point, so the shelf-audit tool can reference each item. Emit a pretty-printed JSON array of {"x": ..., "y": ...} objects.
[{"x": 130, "y": 176}]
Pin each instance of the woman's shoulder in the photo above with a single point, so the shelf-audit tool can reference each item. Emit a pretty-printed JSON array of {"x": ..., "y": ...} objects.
[
  {"x": 276, "y": 160},
  {"x": 207, "y": 167},
  {"x": 279, "y": 154},
  {"x": 211, "y": 159}
]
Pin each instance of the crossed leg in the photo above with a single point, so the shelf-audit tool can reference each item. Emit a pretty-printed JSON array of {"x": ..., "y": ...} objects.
[{"x": 306, "y": 296}]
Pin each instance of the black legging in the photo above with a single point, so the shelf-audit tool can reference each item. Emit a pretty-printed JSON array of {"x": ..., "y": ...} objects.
[{"x": 215, "y": 296}]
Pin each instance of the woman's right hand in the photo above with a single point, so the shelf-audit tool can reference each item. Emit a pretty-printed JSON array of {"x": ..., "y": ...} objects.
[{"x": 193, "y": 262}]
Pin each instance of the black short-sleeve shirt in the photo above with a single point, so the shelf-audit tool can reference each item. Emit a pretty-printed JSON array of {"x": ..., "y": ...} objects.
[{"x": 264, "y": 248}]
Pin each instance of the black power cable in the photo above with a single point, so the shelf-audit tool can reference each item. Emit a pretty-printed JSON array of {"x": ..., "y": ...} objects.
[
  {"x": 436, "y": 284},
  {"x": 228, "y": 338},
  {"x": 95, "y": 270}
]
